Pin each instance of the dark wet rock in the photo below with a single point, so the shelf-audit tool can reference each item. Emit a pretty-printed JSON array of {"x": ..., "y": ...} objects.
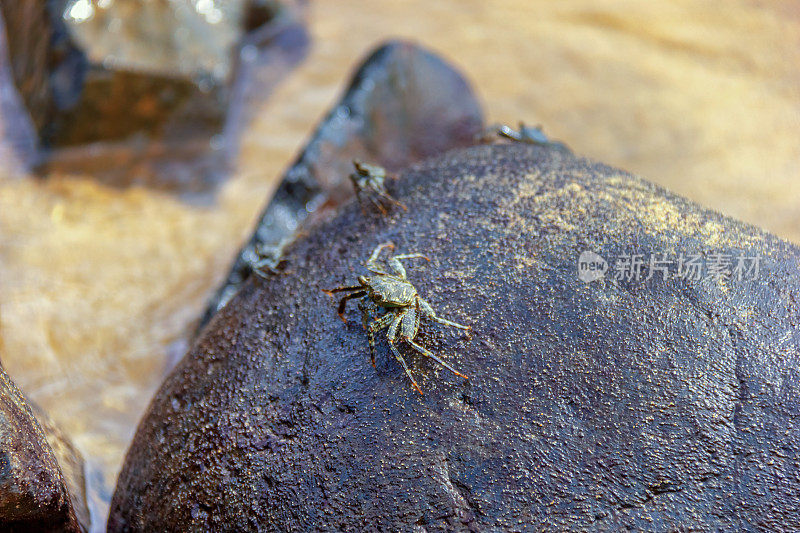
[
  {"x": 71, "y": 462},
  {"x": 115, "y": 105},
  {"x": 138, "y": 93},
  {"x": 613, "y": 405},
  {"x": 48, "y": 68},
  {"x": 194, "y": 149},
  {"x": 41, "y": 473},
  {"x": 403, "y": 104}
]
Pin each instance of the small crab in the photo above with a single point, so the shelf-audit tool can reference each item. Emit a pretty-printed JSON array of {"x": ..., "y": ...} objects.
[
  {"x": 264, "y": 259},
  {"x": 370, "y": 181},
  {"x": 525, "y": 134},
  {"x": 403, "y": 306}
]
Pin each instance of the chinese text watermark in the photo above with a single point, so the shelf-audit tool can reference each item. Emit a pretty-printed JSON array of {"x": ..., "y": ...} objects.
[{"x": 640, "y": 267}]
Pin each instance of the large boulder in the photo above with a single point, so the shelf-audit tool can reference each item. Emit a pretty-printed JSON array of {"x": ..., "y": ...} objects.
[{"x": 598, "y": 399}]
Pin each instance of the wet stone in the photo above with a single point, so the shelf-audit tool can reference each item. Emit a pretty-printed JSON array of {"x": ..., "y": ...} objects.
[
  {"x": 612, "y": 404},
  {"x": 137, "y": 93},
  {"x": 70, "y": 461},
  {"x": 41, "y": 473}
]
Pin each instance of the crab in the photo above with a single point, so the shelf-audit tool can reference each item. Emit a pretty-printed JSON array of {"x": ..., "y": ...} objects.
[
  {"x": 403, "y": 307},
  {"x": 369, "y": 180},
  {"x": 264, "y": 259},
  {"x": 525, "y": 134}
]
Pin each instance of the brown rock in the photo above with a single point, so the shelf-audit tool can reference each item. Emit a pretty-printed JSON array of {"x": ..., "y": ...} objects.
[
  {"x": 131, "y": 112},
  {"x": 70, "y": 461},
  {"x": 18, "y": 140},
  {"x": 628, "y": 404},
  {"x": 34, "y": 492}
]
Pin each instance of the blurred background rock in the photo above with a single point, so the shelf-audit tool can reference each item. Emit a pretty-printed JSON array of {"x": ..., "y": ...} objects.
[
  {"x": 102, "y": 277},
  {"x": 139, "y": 93}
]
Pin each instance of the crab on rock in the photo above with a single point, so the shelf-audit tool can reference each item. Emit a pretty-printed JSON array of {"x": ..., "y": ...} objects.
[
  {"x": 369, "y": 182},
  {"x": 403, "y": 306}
]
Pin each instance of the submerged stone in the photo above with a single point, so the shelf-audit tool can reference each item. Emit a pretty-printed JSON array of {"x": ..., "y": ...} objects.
[{"x": 599, "y": 397}]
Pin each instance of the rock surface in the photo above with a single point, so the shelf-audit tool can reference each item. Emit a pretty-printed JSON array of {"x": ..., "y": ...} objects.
[
  {"x": 70, "y": 461},
  {"x": 98, "y": 71},
  {"x": 49, "y": 70},
  {"x": 35, "y": 495},
  {"x": 652, "y": 405},
  {"x": 403, "y": 104}
]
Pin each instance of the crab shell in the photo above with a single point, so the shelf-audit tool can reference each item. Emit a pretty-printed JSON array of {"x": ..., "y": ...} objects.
[{"x": 387, "y": 291}]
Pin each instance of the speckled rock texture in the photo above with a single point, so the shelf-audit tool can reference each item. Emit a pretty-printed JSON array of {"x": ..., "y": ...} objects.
[
  {"x": 34, "y": 492},
  {"x": 646, "y": 405},
  {"x": 69, "y": 460}
]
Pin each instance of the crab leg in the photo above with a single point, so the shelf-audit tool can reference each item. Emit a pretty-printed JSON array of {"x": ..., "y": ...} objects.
[
  {"x": 372, "y": 262},
  {"x": 358, "y": 197},
  {"x": 392, "y": 339},
  {"x": 374, "y": 327},
  {"x": 343, "y": 303},
  {"x": 386, "y": 196},
  {"x": 330, "y": 292},
  {"x": 395, "y": 263},
  {"x": 428, "y": 310},
  {"x": 430, "y": 354},
  {"x": 379, "y": 206}
]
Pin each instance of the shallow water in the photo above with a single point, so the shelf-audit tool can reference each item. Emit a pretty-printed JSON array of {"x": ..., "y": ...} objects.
[{"x": 100, "y": 287}]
